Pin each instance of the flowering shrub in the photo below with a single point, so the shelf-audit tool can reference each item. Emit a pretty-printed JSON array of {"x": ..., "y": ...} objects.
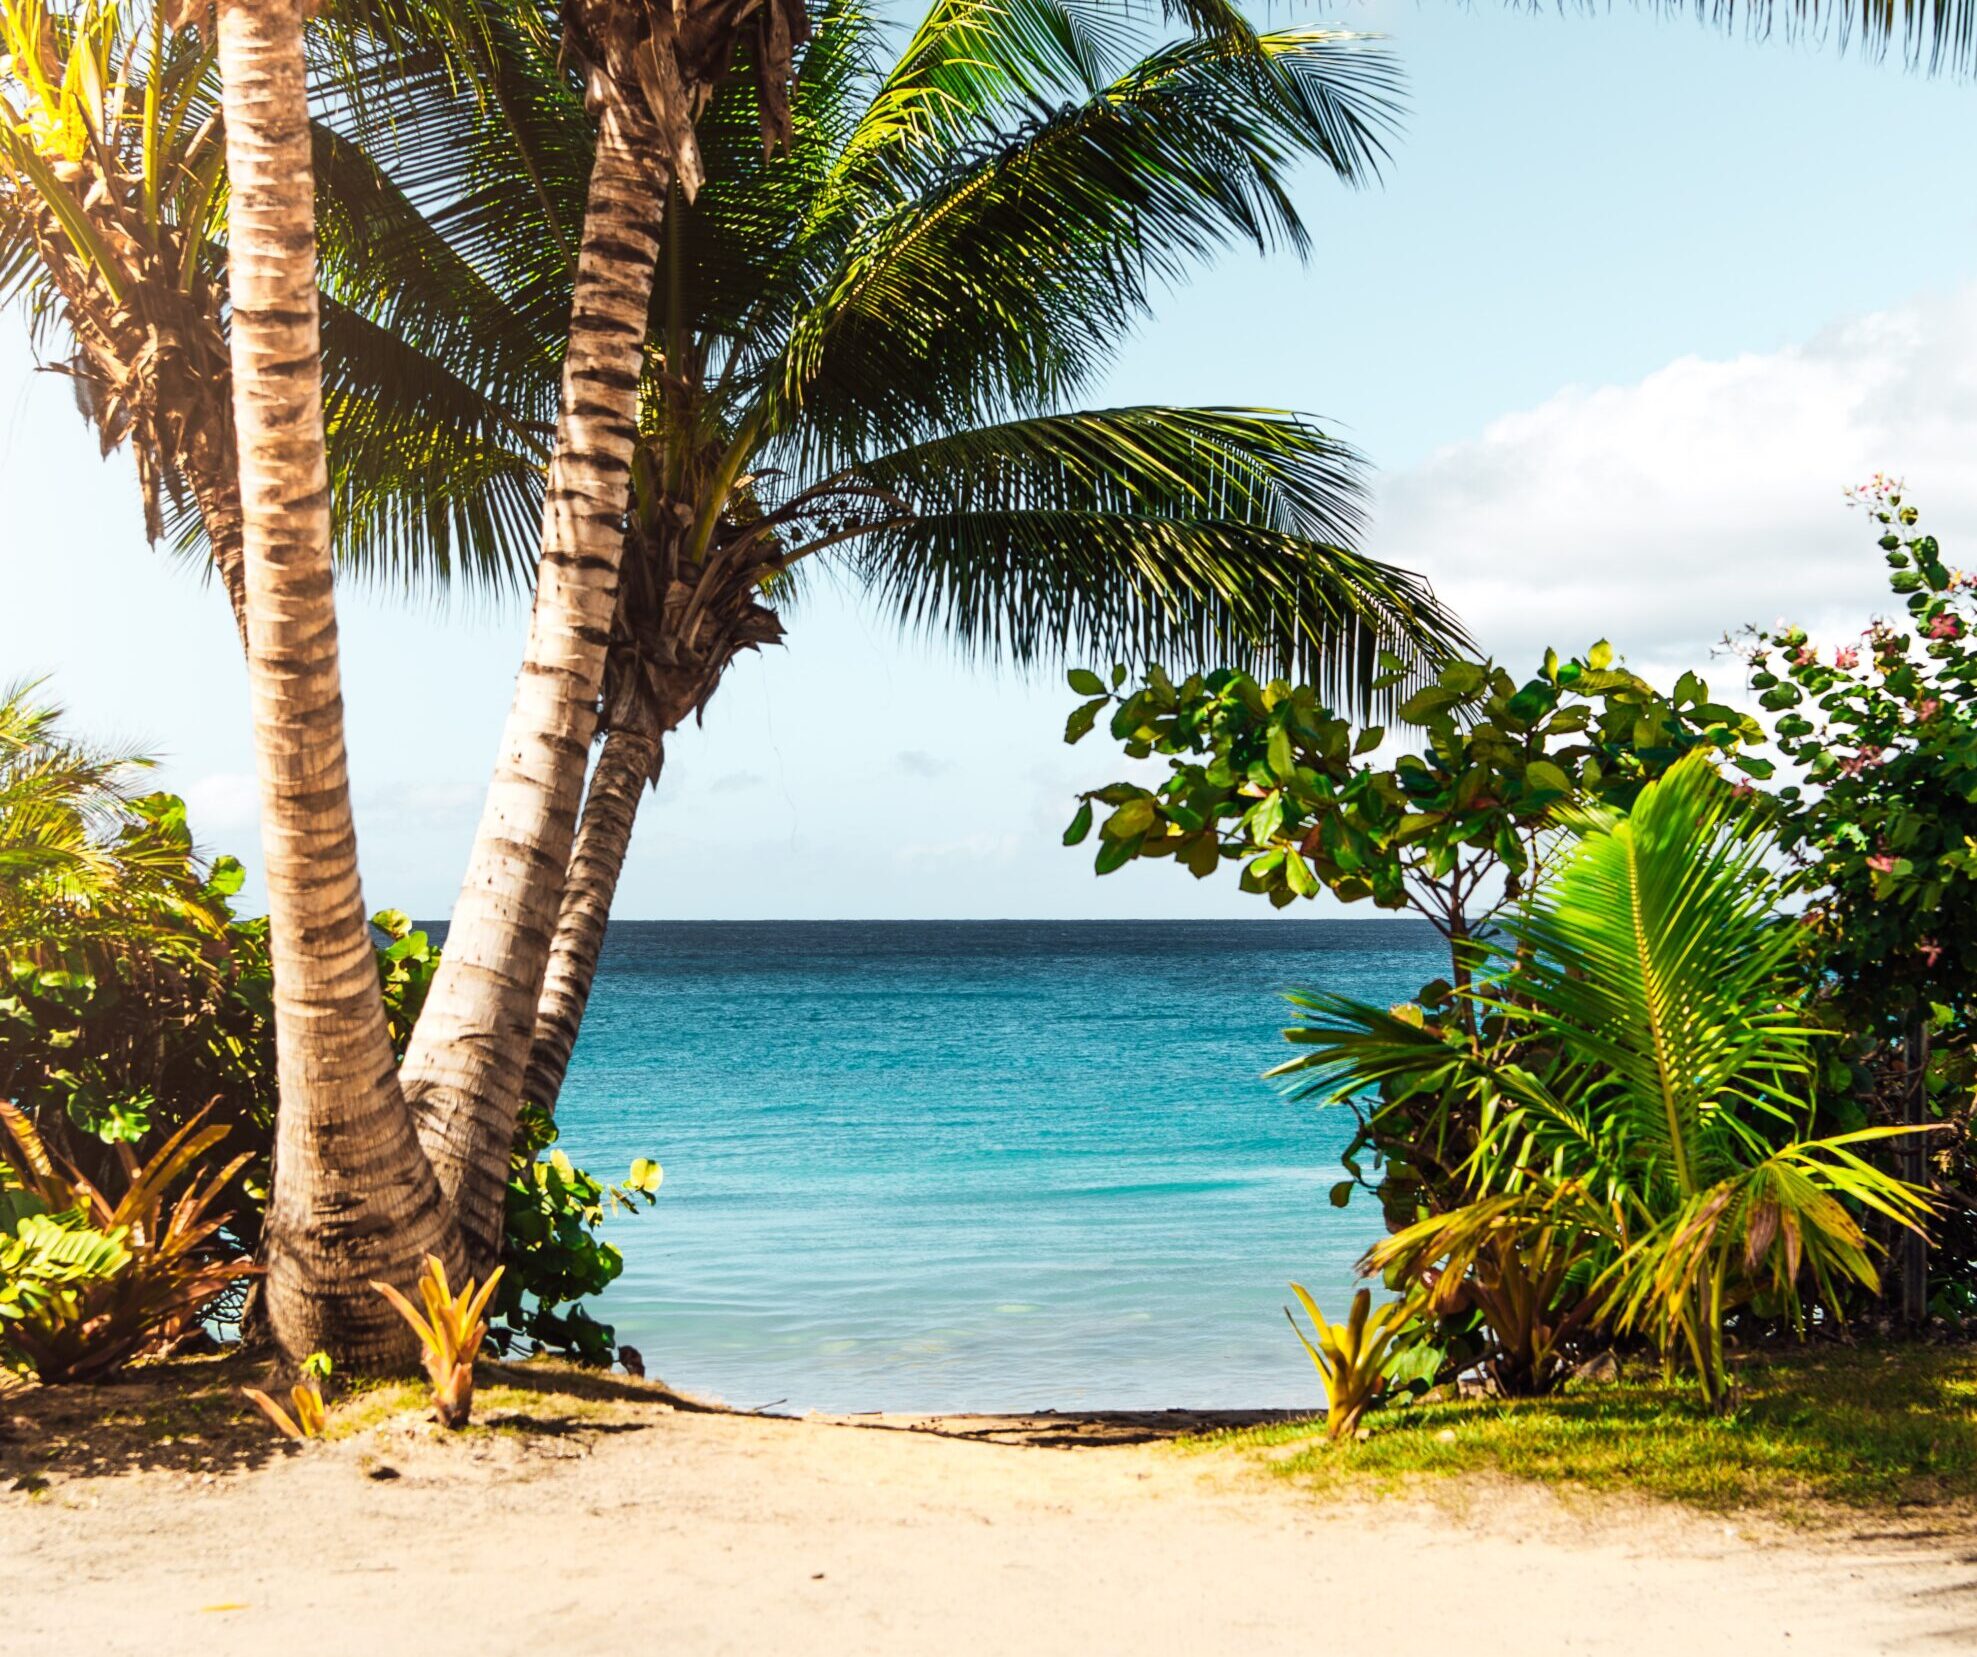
[
  {"x": 1884, "y": 822},
  {"x": 1883, "y": 829}
]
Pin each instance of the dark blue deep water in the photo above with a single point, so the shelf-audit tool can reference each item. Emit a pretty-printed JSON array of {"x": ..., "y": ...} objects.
[{"x": 973, "y": 1165}]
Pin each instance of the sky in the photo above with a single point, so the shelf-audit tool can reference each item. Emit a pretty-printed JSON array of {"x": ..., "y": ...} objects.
[{"x": 1635, "y": 304}]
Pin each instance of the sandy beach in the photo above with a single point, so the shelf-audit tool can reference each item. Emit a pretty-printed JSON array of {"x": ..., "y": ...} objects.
[{"x": 620, "y": 1521}]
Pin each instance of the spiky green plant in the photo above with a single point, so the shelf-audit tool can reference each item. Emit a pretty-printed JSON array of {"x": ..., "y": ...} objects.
[{"x": 1355, "y": 1359}]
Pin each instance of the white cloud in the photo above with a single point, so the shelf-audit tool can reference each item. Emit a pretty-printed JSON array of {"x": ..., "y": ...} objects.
[
  {"x": 221, "y": 802},
  {"x": 967, "y": 851},
  {"x": 917, "y": 762},
  {"x": 736, "y": 782},
  {"x": 1706, "y": 496}
]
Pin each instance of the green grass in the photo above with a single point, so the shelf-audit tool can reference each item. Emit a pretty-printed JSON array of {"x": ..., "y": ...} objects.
[{"x": 1833, "y": 1428}]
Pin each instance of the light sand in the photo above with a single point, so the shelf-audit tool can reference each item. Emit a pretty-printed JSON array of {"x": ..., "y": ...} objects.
[{"x": 642, "y": 1529}]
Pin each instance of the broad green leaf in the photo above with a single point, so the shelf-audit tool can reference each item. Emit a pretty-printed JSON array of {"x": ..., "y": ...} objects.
[{"x": 1542, "y": 773}]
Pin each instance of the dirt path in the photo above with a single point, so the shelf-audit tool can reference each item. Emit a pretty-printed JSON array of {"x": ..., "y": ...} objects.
[{"x": 638, "y": 1528}]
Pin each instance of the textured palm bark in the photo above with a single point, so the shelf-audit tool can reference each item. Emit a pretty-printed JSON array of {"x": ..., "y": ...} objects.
[
  {"x": 680, "y": 624},
  {"x": 216, "y": 488},
  {"x": 353, "y": 1197},
  {"x": 463, "y": 1072},
  {"x": 630, "y": 759}
]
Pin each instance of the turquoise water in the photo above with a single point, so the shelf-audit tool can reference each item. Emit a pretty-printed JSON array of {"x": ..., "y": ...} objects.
[{"x": 973, "y": 1165}]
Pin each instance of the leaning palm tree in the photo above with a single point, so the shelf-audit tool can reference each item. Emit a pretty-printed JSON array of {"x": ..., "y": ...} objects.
[
  {"x": 1643, "y": 1090},
  {"x": 941, "y": 260},
  {"x": 647, "y": 69},
  {"x": 865, "y": 369}
]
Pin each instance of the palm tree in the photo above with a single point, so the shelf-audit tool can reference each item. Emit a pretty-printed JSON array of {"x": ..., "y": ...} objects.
[
  {"x": 111, "y": 165},
  {"x": 648, "y": 68},
  {"x": 113, "y": 225},
  {"x": 1644, "y": 1082},
  {"x": 353, "y": 1199},
  {"x": 930, "y": 460},
  {"x": 935, "y": 462}
]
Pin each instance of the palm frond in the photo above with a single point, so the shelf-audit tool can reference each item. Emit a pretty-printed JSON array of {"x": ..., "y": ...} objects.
[
  {"x": 1656, "y": 956},
  {"x": 1004, "y": 278},
  {"x": 1182, "y": 535}
]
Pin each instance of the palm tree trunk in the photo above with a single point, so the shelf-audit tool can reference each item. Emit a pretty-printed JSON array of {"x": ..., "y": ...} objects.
[
  {"x": 353, "y": 1198},
  {"x": 217, "y": 491},
  {"x": 630, "y": 759},
  {"x": 463, "y": 1072}
]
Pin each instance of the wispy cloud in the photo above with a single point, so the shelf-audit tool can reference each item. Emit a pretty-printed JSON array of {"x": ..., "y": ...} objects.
[
  {"x": 1707, "y": 495},
  {"x": 917, "y": 762},
  {"x": 222, "y": 802}
]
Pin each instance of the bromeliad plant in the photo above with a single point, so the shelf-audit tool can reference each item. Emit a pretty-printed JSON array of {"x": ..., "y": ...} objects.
[
  {"x": 1357, "y": 1360},
  {"x": 1642, "y": 1071},
  {"x": 142, "y": 1268},
  {"x": 311, "y": 1417},
  {"x": 451, "y": 1333}
]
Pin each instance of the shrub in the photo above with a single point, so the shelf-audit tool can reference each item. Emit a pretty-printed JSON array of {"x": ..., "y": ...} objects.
[
  {"x": 140, "y": 1270},
  {"x": 134, "y": 1002},
  {"x": 1645, "y": 1099},
  {"x": 1881, "y": 822},
  {"x": 552, "y": 1248}
]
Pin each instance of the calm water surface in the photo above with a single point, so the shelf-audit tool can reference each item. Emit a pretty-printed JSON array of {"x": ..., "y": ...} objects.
[{"x": 981, "y": 1165}]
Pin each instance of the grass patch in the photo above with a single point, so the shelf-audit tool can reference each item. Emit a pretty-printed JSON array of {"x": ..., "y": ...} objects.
[{"x": 1835, "y": 1427}]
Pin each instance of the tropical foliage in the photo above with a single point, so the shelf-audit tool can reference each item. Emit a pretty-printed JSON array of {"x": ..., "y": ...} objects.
[
  {"x": 552, "y": 1249},
  {"x": 136, "y": 1002},
  {"x": 1881, "y": 732},
  {"x": 1643, "y": 1086},
  {"x": 87, "y": 1281},
  {"x": 1604, "y": 1124},
  {"x": 1356, "y": 1359},
  {"x": 311, "y": 1417},
  {"x": 113, "y": 219}
]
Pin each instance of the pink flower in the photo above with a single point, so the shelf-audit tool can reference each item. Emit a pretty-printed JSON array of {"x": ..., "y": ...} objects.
[
  {"x": 1927, "y": 708},
  {"x": 1870, "y": 755},
  {"x": 1883, "y": 865},
  {"x": 1846, "y": 657},
  {"x": 1804, "y": 656},
  {"x": 1945, "y": 627},
  {"x": 1930, "y": 951},
  {"x": 1743, "y": 790}
]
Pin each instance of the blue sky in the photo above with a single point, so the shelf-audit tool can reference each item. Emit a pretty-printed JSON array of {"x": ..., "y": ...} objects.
[{"x": 1636, "y": 302}]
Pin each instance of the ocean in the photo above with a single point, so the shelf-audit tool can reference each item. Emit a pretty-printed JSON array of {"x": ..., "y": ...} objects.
[{"x": 973, "y": 1165}]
